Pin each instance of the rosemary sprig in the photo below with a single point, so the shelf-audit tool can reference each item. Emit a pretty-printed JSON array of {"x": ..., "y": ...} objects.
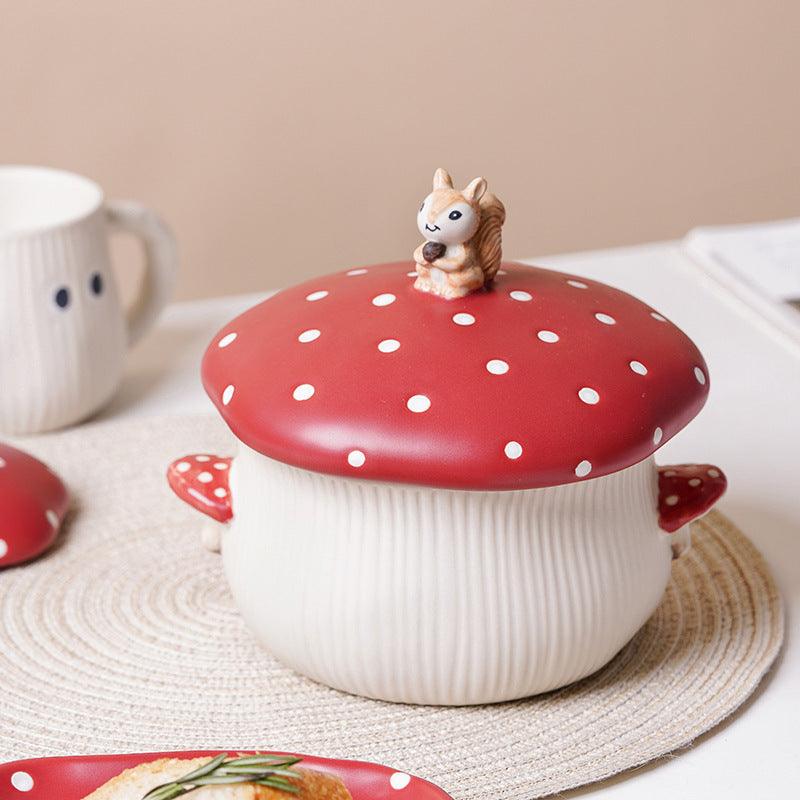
[{"x": 264, "y": 769}]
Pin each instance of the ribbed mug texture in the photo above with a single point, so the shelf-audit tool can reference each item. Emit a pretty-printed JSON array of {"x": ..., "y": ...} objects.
[
  {"x": 443, "y": 597},
  {"x": 62, "y": 331}
]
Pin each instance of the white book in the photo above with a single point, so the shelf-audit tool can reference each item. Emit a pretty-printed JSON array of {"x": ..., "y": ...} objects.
[{"x": 759, "y": 264}]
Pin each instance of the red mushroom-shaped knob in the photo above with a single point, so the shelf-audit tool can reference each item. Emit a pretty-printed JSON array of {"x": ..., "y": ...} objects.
[
  {"x": 686, "y": 492},
  {"x": 33, "y": 503},
  {"x": 202, "y": 482}
]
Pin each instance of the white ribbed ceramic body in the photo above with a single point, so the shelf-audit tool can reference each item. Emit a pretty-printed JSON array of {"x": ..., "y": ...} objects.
[
  {"x": 57, "y": 365},
  {"x": 434, "y": 596}
]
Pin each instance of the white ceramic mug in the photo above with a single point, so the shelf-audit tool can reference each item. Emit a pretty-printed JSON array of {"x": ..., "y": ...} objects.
[{"x": 63, "y": 332}]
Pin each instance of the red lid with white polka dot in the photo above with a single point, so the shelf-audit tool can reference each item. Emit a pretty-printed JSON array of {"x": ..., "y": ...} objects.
[
  {"x": 541, "y": 379},
  {"x": 33, "y": 503}
]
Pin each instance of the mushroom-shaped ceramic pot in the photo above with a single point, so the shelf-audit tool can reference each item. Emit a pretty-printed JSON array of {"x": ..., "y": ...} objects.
[
  {"x": 33, "y": 503},
  {"x": 450, "y": 501}
]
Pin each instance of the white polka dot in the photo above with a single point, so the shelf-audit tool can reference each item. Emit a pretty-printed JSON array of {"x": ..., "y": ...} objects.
[
  {"x": 638, "y": 367},
  {"x": 3, "y": 547},
  {"x": 357, "y": 272},
  {"x": 583, "y": 469},
  {"x": 713, "y": 473},
  {"x": 523, "y": 297},
  {"x": 388, "y": 345},
  {"x": 577, "y": 285},
  {"x": 672, "y": 500},
  {"x": 418, "y": 403},
  {"x": 227, "y": 395},
  {"x": 670, "y": 473},
  {"x": 695, "y": 482},
  {"x": 658, "y": 435},
  {"x": 316, "y": 295},
  {"x": 22, "y": 781},
  {"x": 226, "y": 340},
  {"x": 399, "y": 780},
  {"x": 412, "y": 274},
  {"x": 2, "y": 463},
  {"x": 501, "y": 272},
  {"x": 606, "y": 319},
  {"x": 656, "y": 315},
  {"x": 548, "y": 336},
  {"x": 205, "y": 477},
  {"x": 513, "y": 450},
  {"x": 462, "y": 318},
  {"x": 383, "y": 299},
  {"x": 220, "y": 492},
  {"x": 52, "y": 517},
  {"x": 308, "y": 336},
  {"x": 589, "y": 396},
  {"x": 202, "y": 459},
  {"x": 303, "y": 391},
  {"x": 355, "y": 458},
  {"x": 700, "y": 375},
  {"x": 220, "y": 465},
  {"x": 497, "y": 366},
  {"x": 184, "y": 466}
]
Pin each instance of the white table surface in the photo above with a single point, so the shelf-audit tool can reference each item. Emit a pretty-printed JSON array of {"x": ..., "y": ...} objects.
[{"x": 750, "y": 427}]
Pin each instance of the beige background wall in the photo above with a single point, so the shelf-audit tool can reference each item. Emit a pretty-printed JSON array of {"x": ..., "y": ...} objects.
[{"x": 283, "y": 139}]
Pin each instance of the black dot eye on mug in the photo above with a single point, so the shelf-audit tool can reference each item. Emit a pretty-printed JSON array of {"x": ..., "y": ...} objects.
[
  {"x": 455, "y": 215},
  {"x": 96, "y": 284},
  {"x": 61, "y": 297}
]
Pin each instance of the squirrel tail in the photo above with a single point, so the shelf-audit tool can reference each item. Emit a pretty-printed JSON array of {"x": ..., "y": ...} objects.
[{"x": 489, "y": 238}]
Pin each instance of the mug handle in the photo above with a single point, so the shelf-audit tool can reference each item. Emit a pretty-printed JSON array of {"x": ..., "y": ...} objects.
[
  {"x": 161, "y": 262},
  {"x": 203, "y": 482},
  {"x": 686, "y": 492}
]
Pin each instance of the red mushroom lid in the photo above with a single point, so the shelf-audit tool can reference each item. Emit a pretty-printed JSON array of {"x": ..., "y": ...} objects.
[
  {"x": 33, "y": 502},
  {"x": 541, "y": 379}
]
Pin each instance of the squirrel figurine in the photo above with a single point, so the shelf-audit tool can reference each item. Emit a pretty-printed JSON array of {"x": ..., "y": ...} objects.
[{"x": 463, "y": 246}]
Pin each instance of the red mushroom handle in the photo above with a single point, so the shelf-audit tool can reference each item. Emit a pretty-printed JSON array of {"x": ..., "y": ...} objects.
[
  {"x": 686, "y": 492},
  {"x": 202, "y": 481}
]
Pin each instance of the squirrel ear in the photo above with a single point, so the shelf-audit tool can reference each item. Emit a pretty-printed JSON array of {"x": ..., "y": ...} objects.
[
  {"x": 442, "y": 179},
  {"x": 474, "y": 190}
]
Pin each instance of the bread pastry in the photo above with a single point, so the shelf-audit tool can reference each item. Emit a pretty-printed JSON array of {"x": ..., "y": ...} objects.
[{"x": 136, "y": 783}]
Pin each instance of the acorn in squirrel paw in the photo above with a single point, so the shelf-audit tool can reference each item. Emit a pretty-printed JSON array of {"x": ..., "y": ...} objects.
[
  {"x": 463, "y": 246},
  {"x": 431, "y": 251}
]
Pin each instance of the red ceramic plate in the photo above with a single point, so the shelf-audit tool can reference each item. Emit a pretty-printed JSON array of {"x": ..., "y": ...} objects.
[{"x": 73, "y": 777}]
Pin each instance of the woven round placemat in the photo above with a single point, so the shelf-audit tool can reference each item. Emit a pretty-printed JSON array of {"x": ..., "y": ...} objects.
[{"x": 125, "y": 638}]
